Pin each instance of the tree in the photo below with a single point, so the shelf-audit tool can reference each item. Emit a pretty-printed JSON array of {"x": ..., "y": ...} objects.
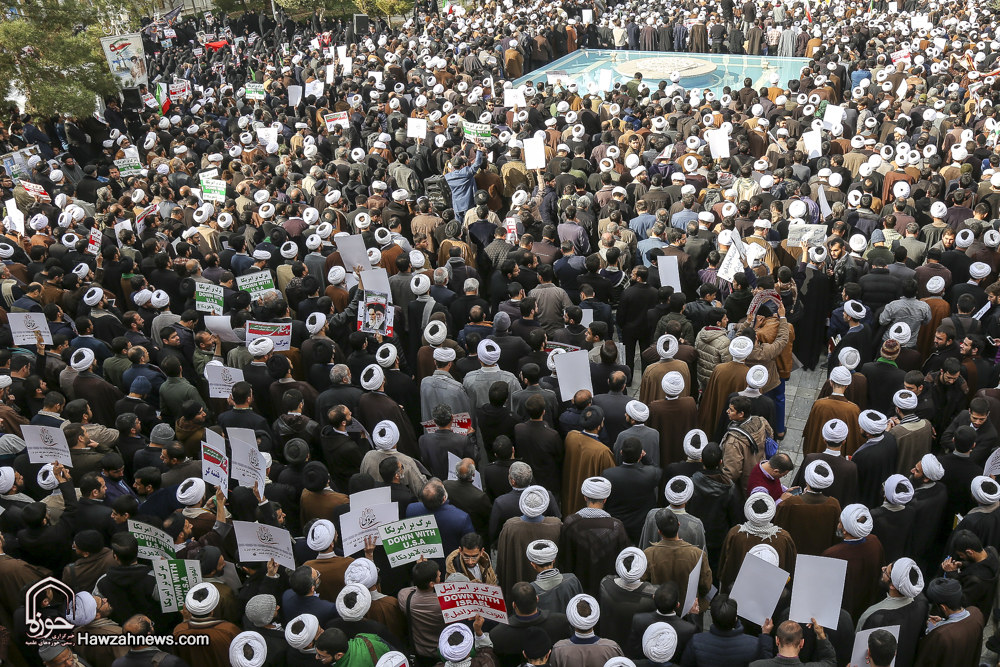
[{"x": 50, "y": 53}]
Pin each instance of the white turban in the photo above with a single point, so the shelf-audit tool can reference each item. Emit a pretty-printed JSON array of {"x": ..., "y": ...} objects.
[
  {"x": 694, "y": 442},
  {"x": 766, "y": 553},
  {"x": 842, "y": 376},
  {"x": 444, "y": 354},
  {"x": 849, "y": 357},
  {"x": 385, "y": 435},
  {"x": 740, "y": 348},
  {"x": 894, "y": 496},
  {"x": 82, "y": 359},
  {"x": 757, "y": 377},
  {"x": 362, "y": 602},
  {"x": 361, "y": 571},
  {"x": 857, "y": 520},
  {"x": 634, "y": 572},
  {"x": 7, "y": 479},
  {"x": 907, "y": 578},
  {"x": 300, "y": 633},
  {"x": 659, "y": 642},
  {"x": 933, "y": 470},
  {"x": 855, "y": 309},
  {"x": 372, "y": 377},
  {"x": 637, "y": 410},
  {"x": 985, "y": 490},
  {"x": 900, "y": 332},
  {"x": 542, "y": 552},
  {"x": 435, "y": 332},
  {"x": 905, "y": 399},
  {"x": 672, "y": 383},
  {"x": 259, "y": 254},
  {"x": 679, "y": 490},
  {"x": 935, "y": 285},
  {"x": 202, "y": 599},
  {"x": 420, "y": 284},
  {"x": 666, "y": 346},
  {"x": 488, "y": 352},
  {"x": 321, "y": 535},
  {"x": 596, "y": 488},
  {"x": 386, "y": 355},
  {"x": 872, "y": 422},
  {"x": 315, "y": 323},
  {"x": 577, "y": 619},
  {"x": 455, "y": 642},
  {"x": 818, "y": 475},
  {"x": 979, "y": 270},
  {"x": 191, "y": 491},
  {"x": 248, "y": 649},
  {"x": 534, "y": 501},
  {"x": 756, "y": 513},
  {"x": 336, "y": 275},
  {"x": 159, "y": 299},
  {"x": 46, "y": 478},
  {"x": 93, "y": 296},
  {"x": 260, "y": 347},
  {"x": 83, "y": 610},
  {"x": 835, "y": 431}
]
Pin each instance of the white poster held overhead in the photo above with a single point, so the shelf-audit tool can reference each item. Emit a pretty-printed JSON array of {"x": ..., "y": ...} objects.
[
  {"x": 247, "y": 464},
  {"x": 126, "y": 59},
  {"x": 731, "y": 265},
  {"x": 670, "y": 274},
  {"x": 353, "y": 252},
  {"x": 15, "y": 216},
  {"x": 26, "y": 328},
  {"x": 514, "y": 97},
  {"x": 215, "y": 464},
  {"x": 258, "y": 542},
  {"x": 757, "y": 589},
  {"x": 691, "y": 594},
  {"x": 376, "y": 280},
  {"x": 818, "y": 590},
  {"x": 477, "y": 480},
  {"x": 833, "y": 116},
  {"x": 718, "y": 143},
  {"x": 221, "y": 326},
  {"x": 813, "y": 140},
  {"x": 416, "y": 128},
  {"x": 294, "y": 95},
  {"x": 46, "y": 444},
  {"x": 573, "y": 373},
  {"x": 859, "y": 654},
  {"x": 363, "y": 522},
  {"x": 534, "y": 153},
  {"x": 221, "y": 380}
]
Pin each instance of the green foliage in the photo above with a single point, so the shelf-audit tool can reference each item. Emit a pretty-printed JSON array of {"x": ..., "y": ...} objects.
[{"x": 57, "y": 69}]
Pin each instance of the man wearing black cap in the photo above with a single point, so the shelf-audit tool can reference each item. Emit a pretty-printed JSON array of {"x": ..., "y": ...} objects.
[{"x": 954, "y": 632}]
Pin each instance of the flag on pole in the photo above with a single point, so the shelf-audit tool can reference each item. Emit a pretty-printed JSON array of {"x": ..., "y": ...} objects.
[
  {"x": 808, "y": 13},
  {"x": 162, "y": 96}
]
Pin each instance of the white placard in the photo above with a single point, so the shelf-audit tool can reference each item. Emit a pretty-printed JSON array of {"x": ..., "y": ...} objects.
[
  {"x": 416, "y": 128},
  {"x": 586, "y": 16},
  {"x": 46, "y": 444},
  {"x": 267, "y": 135},
  {"x": 280, "y": 334},
  {"x": 992, "y": 466},
  {"x": 670, "y": 274},
  {"x": 514, "y": 97},
  {"x": 358, "y": 524},
  {"x": 588, "y": 317},
  {"x": 813, "y": 142},
  {"x": 24, "y": 326},
  {"x": 314, "y": 88},
  {"x": 341, "y": 51},
  {"x": 718, "y": 143},
  {"x": 15, "y": 215},
  {"x": 221, "y": 380},
  {"x": 691, "y": 594},
  {"x": 818, "y": 590},
  {"x": 833, "y": 116},
  {"x": 215, "y": 462},
  {"x": 824, "y": 205},
  {"x": 534, "y": 153},
  {"x": 348, "y": 66},
  {"x": 247, "y": 465},
  {"x": 381, "y": 495},
  {"x": 352, "y": 252},
  {"x": 256, "y": 542},
  {"x": 376, "y": 280},
  {"x": 174, "y": 578},
  {"x": 860, "y": 650},
  {"x": 222, "y": 327},
  {"x": 331, "y": 70},
  {"x": 454, "y": 461},
  {"x": 573, "y": 373},
  {"x": 757, "y": 589},
  {"x": 294, "y": 95},
  {"x": 731, "y": 265}
]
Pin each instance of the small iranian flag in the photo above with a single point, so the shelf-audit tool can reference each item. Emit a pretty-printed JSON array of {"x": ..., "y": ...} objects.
[{"x": 162, "y": 96}]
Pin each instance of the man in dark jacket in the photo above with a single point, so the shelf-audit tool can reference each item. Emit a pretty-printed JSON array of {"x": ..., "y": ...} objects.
[
  {"x": 510, "y": 640},
  {"x": 725, "y": 642},
  {"x": 634, "y": 488},
  {"x": 667, "y": 604}
]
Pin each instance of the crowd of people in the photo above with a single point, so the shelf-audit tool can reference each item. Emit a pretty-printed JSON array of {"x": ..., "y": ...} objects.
[{"x": 412, "y": 287}]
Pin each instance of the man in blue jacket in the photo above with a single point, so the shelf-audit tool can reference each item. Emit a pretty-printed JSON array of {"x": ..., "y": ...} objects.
[{"x": 461, "y": 179}]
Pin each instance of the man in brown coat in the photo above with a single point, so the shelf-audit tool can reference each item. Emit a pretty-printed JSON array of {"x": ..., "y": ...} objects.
[
  {"x": 331, "y": 567},
  {"x": 199, "y": 609},
  {"x": 586, "y": 456},
  {"x": 673, "y": 559}
]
